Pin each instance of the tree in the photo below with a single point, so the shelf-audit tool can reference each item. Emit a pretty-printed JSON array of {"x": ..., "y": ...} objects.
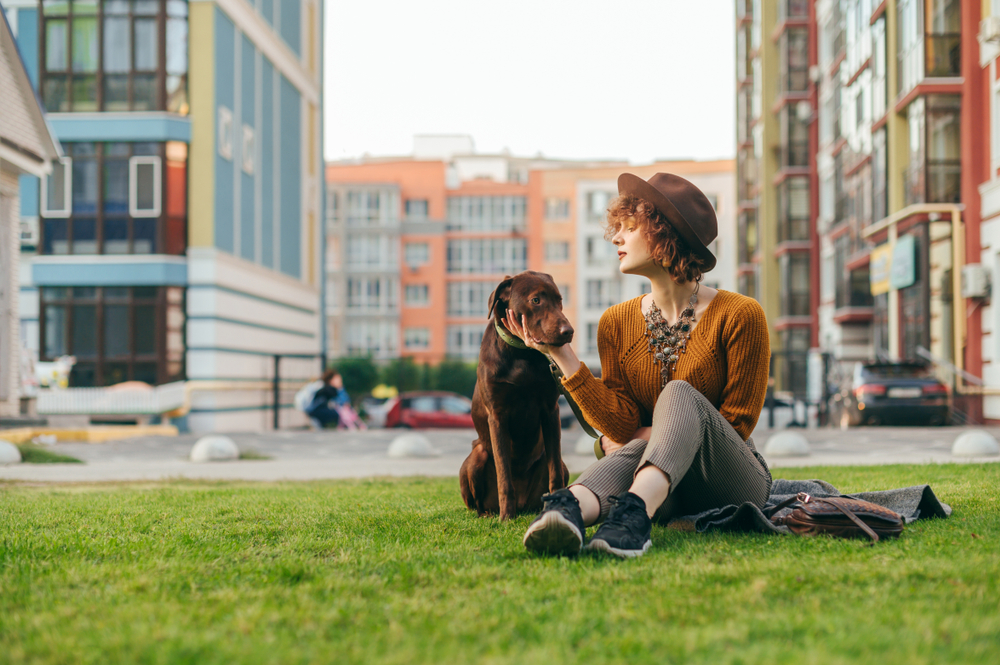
[{"x": 359, "y": 372}]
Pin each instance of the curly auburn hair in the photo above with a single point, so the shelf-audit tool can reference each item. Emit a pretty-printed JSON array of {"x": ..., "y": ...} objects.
[{"x": 665, "y": 246}]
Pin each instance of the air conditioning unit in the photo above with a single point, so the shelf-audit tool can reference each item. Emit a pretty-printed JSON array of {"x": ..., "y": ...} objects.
[
  {"x": 975, "y": 281},
  {"x": 989, "y": 29},
  {"x": 29, "y": 232}
]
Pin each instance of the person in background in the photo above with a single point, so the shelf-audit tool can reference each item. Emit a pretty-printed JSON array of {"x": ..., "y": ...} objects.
[{"x": 326, "y": 401}]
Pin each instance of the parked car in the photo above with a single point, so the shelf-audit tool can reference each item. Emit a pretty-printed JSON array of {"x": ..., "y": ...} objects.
[
  {"x": 896, "y": 392},
  {"x": 429, "y": 408}
]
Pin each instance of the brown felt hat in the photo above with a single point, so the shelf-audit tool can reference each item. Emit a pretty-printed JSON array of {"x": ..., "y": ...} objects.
[{"x": 682, "y": 204}]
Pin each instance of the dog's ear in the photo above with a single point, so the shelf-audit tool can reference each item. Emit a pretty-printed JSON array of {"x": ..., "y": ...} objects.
[{"x": 500, "y": 296}]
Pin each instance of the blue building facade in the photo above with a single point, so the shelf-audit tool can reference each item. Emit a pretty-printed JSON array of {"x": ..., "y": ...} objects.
[{"x": 178, "y": 239}]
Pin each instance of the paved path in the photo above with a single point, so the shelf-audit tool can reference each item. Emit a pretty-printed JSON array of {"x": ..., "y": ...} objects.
[{"x": 304, "y": 455}]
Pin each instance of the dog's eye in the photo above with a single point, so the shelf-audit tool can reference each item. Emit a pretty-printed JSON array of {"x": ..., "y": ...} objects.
[{"x": 536, "y": 301}]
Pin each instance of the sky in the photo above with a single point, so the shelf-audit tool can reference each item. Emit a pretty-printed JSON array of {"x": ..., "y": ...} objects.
[{"x": 615, "y": 79}]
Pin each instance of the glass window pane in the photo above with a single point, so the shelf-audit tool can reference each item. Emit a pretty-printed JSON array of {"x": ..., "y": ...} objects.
[
  {"x": 145, "y": 372},
  {"x": 115, "y": 373},
  {"x": 116, "y": 186},
  {"x": 145, "y": 235},
  {"x": 84, "y": 236},
  {"x": 144, "y": 92},
  {"x": 116, "y": 236},
  {"x": 146, "y": 7},
  {"x": 54, "y": 293},
  {"x": 55, "y": 46},
  {"x": 146, "y": 44},
  {"x": 177, "y": 8},
  {"x": 116, "y": 6},
  {"x": 115, "y": 293},
  {"x": 177, "y": 46},
  {"x": 116, "y": 333},
  {"x": 85, "y": 44},
  {"x": 145, "y": 329},
  {"x": 117, "y": 149},
  {"x": 84, "y": 340},
  {"x": 116, "y": 92},
  {"x": 55, "y": 331},
  {"x": 85, "y": 293},
  {"x": 144, "y": 292},
  {"x": 55, "y": 188},
  {"x": 117, "y": 45},
  {"x": 55, "y": 7},
  {"x": 84, "y": 186},
  {"x": 84, "y": 93},
  {"x": 54, "y": 94},
  {"x": 55, "y": 241},
  {"x": 145, "y": 187},
  {"x": 83, "y": 375}
]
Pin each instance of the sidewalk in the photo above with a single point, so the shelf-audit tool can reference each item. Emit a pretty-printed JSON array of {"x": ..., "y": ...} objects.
[{"x": 305, "y": 455}]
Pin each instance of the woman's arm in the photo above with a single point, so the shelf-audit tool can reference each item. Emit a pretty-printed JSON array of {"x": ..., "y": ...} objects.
[
  {"x": 605, "y": 403},
  {"x": 748, "y": 355}
]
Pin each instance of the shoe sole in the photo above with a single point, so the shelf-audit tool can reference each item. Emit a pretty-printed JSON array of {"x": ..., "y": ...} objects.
[
  {"x": 603, "y": 546},
  {"x": 553, "y": 534}
]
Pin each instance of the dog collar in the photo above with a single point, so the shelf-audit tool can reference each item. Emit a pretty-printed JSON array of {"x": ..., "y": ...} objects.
[{"x": 507, "y": 337}]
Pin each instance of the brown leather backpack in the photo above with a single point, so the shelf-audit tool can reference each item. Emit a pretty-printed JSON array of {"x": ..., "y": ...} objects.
[{"x": 839, "y": 516}]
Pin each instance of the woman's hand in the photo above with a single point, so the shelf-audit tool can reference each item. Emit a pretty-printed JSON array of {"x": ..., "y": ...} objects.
[
  {"x": 610, "y": 446},
  {"x": 520, "y": 329}
]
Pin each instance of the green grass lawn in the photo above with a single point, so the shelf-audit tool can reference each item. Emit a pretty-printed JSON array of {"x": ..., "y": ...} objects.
[
  {"x": 398, "y": 571},
  {"x": 32, "y": 453}
]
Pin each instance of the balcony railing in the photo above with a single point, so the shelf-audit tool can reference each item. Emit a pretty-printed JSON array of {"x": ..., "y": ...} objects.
[
  {"x": 856, "y": 296},
  {"x": 795, "y": 304},
  {"x": 793, "y": 229},
  {"x": 795, "y": 154},
  {"x": 943, "y": 54},
  {"x": 938, "y": 182},
  {"x": 795, "y": 79}
]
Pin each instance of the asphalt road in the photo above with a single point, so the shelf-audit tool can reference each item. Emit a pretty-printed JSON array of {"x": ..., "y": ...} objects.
[{"x": 307, "y": 455}]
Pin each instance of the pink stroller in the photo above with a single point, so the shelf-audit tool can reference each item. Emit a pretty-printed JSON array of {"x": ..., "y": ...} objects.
[{"x": 349, "y": 418}]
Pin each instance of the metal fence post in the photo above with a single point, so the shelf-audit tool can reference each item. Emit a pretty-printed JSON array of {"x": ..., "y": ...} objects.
[{"x": 275, "y": 389}]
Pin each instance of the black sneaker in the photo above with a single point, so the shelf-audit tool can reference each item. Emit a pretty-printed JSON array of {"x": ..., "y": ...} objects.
[
  {"x": 558, "y": 529},
  {"x": 625, "y": 533}
]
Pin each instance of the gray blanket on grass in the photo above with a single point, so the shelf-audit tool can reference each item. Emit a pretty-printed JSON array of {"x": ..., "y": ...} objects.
[{"x": 912, "y": 503}]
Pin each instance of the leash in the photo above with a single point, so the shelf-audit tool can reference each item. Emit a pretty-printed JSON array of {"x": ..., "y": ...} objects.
[{"x": 557, "y": 375}]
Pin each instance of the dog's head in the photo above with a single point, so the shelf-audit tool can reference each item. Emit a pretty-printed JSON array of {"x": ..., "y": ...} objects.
[{"x": 535, "y": 296}]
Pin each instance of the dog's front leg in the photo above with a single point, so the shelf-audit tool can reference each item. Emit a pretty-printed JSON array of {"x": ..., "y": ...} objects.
[
  {"x": 500, "y": 438},
  {"x": 551, "y": 435}
]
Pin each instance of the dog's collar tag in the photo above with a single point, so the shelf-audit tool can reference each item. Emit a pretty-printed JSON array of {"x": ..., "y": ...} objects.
[{"x": 507, "y": 337}]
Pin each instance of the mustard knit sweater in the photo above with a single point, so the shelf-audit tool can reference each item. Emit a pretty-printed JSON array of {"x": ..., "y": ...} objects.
[{"x": 726, "y": 361}]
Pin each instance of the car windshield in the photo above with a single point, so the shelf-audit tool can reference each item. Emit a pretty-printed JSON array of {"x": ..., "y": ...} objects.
[
  {"x": 455, "y": 405},
  {"x": 896, "y": 372},
  {"x": 423, "y": 404}
]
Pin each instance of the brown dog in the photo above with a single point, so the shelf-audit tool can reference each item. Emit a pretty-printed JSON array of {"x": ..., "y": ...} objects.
[{"x": 517, "y": 455}]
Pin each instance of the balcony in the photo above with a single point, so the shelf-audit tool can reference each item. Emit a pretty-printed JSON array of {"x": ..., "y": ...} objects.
[
  {"x": 795, "y": 154},
  {"x": 795, "y": 304},
  {"x": 938, "y": 182},
  {"x": 943, "y": 54},
  {"x": 793, "y": 10}
]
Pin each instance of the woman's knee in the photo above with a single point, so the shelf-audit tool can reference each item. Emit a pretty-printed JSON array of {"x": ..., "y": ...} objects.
[{"x": 677, "y": 391}]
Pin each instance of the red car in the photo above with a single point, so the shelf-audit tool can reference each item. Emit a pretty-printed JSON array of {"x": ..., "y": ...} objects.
[{"x": 430, "y": 408}]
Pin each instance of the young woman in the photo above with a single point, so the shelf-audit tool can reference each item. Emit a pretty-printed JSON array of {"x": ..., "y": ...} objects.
[{"x": 683, "y": 374}]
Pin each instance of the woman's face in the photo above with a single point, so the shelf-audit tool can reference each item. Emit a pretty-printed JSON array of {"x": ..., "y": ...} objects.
[{"x": 633, "y": 253}]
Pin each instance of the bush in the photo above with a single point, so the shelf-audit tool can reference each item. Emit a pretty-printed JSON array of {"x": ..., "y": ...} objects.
[
  {"x": 360, "y": 374},
  {"x": 457, "y": 376}
]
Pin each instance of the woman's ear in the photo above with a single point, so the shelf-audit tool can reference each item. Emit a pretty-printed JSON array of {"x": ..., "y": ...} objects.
[{"x": 499, "y": 298}]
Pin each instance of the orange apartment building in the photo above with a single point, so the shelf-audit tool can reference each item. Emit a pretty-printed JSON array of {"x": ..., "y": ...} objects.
[{"x": 416, "y": 245}]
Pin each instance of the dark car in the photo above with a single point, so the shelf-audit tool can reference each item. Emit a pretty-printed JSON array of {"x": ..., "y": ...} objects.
[
  {"x": 429, "y": 408},
  {"x": 898, "y": 392}
]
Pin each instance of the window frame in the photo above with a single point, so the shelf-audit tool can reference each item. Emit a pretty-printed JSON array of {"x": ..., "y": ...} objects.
[
  {"x": 67, "y": 209},
  {"x": 133, "y": 186}
]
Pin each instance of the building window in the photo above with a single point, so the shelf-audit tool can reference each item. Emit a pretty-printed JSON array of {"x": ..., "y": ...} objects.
[
  {"x": 116, "y": 333},
  {"x": 225, "y": 133},
  {"x": 880, "y": 208},
  {"x": 793, "y": 209},
  {"x": 747, "y": 283},
  {"x": 556, "y": 251},
  {"x": 487, "y": 256},
  {"x": 249, "y": 151},
  {"x": 487, "y": 213},
  {"x": 794, "y": 139},
  {"x": 57, "y": 188},
  {"x": 469, "y": 298},
  {"x": 372, "y": 252},
  {"x": 794, "y": 60},
  {"x": 795, "y": 283},
  {"x": 372, "y": 208},
  {"x": 600, "y": 251},
  {"x": 879, "y": 70},
  {"x": 791, "y": 363},
  {"x": 417, "y": 254},
  {"x": 464, "y": 340},
  {"x": 747, "y": 236},
  {"x": 944, "y": 38},
  {"x": 556, "y": 209},
  {"x": 591, "y": 341},
  {"x": 935, "y": 171},
  {"x": 417, "y": 295},
  {"x": 375, "y": 338},
  {"x": 121, "y": 201},
  {"x": 416, "y": 210},
  {"x": 564, "y": 291},
  {"x": 372, "y": 294},
  {"x": 417, "y": 338},
  {"x": 597, "y": 206},
  {"x": 107, "y": 56},
  {"x": 603, "y": 293}
]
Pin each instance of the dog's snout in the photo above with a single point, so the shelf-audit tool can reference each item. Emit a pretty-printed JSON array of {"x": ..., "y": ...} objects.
[{"x": 566, "y": 330}]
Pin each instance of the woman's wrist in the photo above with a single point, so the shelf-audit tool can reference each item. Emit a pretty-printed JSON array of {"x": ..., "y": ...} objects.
[{"x": 565, "y": 358}]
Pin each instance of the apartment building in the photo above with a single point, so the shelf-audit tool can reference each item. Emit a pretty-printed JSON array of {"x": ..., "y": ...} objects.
[
  {"x": 776, "y": 252},
  {"x": 450, "y": 223},
  {"x": 179, "y": 237}
]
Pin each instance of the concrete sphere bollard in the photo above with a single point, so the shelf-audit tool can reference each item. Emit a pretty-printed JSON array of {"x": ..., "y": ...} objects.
[
  {"x": 412, "y": 444},
  {"x": 787, "y": 444},
  {"x": 214, "y": 448},
  {"x": 584, "y": 445},
  {"x": 9, "y": 453},
  {"x": 975, "y": 443}
]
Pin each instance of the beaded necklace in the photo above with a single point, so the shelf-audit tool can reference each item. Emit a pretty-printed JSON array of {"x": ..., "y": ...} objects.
[{"x": 667, "y": 342}]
